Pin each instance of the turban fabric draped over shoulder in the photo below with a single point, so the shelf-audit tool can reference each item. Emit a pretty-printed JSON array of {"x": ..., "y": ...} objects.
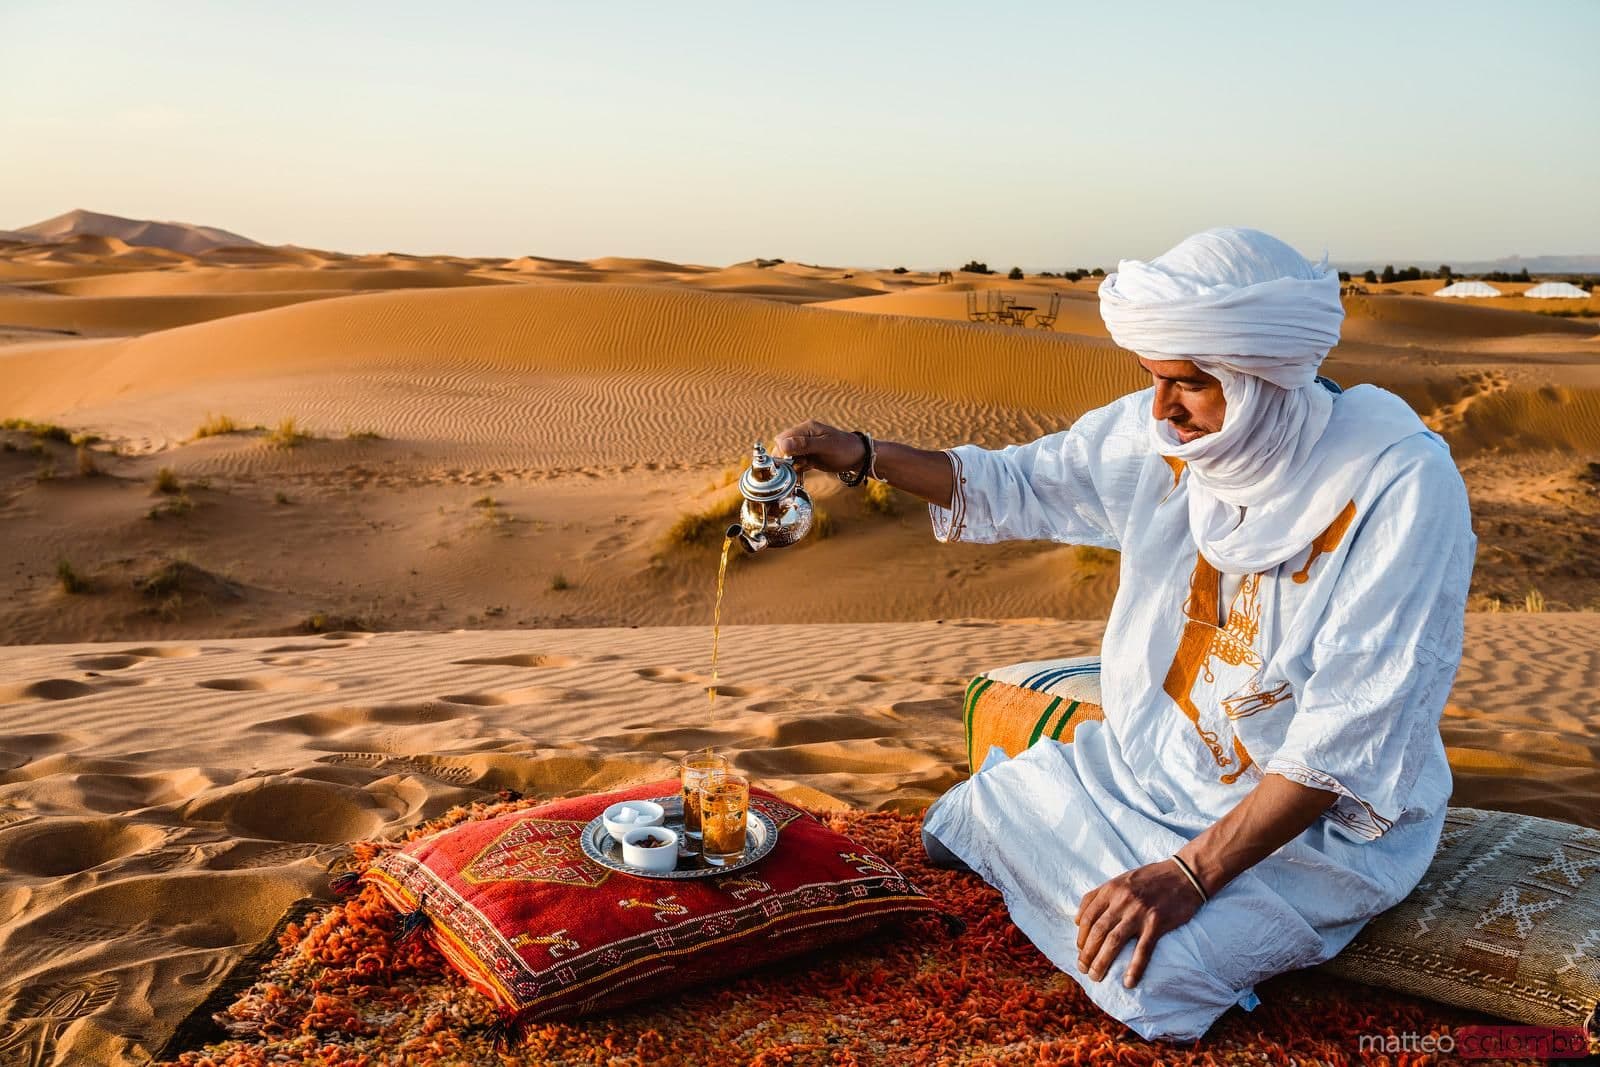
[{"x": 1249, "y": 310}]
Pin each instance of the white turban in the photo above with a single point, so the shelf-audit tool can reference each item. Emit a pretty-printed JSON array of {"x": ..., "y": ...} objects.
[
  {"x": 1251, "y": 311},
  {"x": 1232, "y": 298}
]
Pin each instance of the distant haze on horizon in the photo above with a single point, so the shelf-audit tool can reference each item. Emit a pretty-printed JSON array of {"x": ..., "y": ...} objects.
[{"x": 1047, "y": 136}]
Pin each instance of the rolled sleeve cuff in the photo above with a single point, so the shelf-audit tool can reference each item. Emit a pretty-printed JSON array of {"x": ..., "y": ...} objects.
[
  {"x": 1350, "y": 811},
  {"x": 949, "y": 523}
]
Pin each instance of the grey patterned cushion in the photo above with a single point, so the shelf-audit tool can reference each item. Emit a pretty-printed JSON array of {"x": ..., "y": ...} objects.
[{"x": 1506, "y": 921}]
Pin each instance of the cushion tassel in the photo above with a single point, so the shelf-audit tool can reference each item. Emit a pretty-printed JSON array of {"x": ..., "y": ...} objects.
[
  {"x": 346, "y": 884},
  {"x": 412, "y": 922},
  {"x": 506, "y": 1032}
]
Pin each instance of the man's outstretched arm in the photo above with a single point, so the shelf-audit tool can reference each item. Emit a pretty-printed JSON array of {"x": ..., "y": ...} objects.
[
  {"x": 1146, "y": 903},
  {"x": 817, "y": 446}
]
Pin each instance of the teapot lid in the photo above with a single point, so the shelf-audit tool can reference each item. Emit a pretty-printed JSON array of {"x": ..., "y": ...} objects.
[{"x": 767, "y": 478}]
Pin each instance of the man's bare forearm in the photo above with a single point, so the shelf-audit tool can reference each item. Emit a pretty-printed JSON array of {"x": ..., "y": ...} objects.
[
  {"x": 1271, "y": 815},
  {"x": 918, "y": 471}
]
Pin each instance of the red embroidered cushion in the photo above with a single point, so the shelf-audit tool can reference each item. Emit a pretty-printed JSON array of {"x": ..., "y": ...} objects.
[{"x": 546, "y": 933}]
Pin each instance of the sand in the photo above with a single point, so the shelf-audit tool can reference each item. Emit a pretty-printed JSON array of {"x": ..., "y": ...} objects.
[
  {"x": 161, "y": 805},
  {"x": 466, "y": 567}
]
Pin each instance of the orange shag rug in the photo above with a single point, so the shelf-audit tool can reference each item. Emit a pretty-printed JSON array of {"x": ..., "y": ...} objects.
[{"x": 341, "y": 991}]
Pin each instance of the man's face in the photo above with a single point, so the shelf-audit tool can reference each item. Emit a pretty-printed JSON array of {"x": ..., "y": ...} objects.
[{"x": 1187, "y": 398}]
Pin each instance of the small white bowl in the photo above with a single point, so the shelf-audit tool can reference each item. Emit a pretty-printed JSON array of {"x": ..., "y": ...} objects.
[
  {"x": 649, "y": 814},
  {"x": 662, "y": 858}
]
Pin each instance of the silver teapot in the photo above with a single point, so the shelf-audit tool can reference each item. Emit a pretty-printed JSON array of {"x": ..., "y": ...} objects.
[{"x": 777, "y": 509}]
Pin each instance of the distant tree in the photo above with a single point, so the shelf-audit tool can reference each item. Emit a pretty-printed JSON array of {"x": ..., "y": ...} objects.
[
  {"x": 1015, "y": 274},
  {"x": 1410, "y": 274},
  {"x": 1073, "y": 275},
  {"x": 901, "y": 270},
  {"x": 1522, "y": 276},
  {"x": 1445, "y": 272},
  {"x": 1370, "y": 276},
  {"x": 1344, "y": 276},
  {"x": 1388, "y": 273},
  {"x": 1048, "y": 274},
  {"x": 972, "y": 266},
  {"x": 1098, "y": 273}
]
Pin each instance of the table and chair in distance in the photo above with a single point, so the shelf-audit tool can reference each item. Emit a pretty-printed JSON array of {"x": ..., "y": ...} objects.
[{"x": 1003, "y": 309}]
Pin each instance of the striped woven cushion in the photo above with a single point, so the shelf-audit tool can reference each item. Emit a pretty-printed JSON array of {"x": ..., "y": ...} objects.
[{"x": 1015, "y": 706}]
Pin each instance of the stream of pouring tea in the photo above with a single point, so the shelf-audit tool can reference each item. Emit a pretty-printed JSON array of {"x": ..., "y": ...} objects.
[{"x": 716, "y": 619}]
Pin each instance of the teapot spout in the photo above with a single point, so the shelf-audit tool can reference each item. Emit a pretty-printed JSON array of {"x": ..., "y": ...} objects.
[{"x": 752, "y": 545}]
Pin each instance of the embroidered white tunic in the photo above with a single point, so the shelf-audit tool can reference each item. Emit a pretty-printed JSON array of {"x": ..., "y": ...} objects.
[{"x": 1331, "y": 670}]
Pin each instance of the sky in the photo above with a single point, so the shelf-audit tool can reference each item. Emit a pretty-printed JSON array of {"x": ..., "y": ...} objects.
[{"x": 1044, "y": 135}]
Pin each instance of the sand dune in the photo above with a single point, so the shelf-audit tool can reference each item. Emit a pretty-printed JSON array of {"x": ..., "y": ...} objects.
[
  {"x": 117, "y": 315},
  {"x": 178, "y": 236},
  {"x": 263, "y": 280},
  {"x": 152, "y": 830},
  {"x": 742, "y": 352}
]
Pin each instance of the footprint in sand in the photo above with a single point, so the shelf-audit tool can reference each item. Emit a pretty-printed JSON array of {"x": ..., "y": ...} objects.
[
  {"x": 278, "y": 683},
  {"x": 41, "y": 1013},
  {"x": 519, "y": 659},
  {"x": 439, "y": 768},
  {"x": 59, "y": 847},
  {"x": 62, "y": 689}
]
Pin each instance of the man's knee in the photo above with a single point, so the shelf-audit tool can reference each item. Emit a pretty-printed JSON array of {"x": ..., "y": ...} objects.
[{"x": 938, "y": 855}]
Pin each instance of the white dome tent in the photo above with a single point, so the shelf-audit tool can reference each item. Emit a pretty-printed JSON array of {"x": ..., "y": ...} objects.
[
  {"x": 1556, "y": 291},
  {"x": 1468, "y": 289}
]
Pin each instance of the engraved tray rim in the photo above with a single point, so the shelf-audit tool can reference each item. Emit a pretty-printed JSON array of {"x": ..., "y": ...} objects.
[{"x": 595, "y": 839}]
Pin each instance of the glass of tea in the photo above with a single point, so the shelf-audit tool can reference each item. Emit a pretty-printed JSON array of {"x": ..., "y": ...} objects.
[
  {"x": 693, "y": 770},
  {"x": 724, "y": 811}
]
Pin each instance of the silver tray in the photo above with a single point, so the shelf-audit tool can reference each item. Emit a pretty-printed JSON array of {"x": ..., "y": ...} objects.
[{"x": 761, "y": 835}]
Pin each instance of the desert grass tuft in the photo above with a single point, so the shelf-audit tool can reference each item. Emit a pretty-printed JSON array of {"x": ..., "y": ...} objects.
[
  {"x": 1092, "y": 559},
  {"x": 167, "y": 481},
  {"x": 87, "y": 467},
  {"x": 1533, "y": 602},
  {"x": 880, "y": 498},
  {"x": 559, "y": 583},
  {"x": 281, "y": 498},
  {"x": 486, "y": 501},
  {"x": 706, "y": 526},
  {"x": 44, "y": 431},
  {"x": 363, "y": 435},
  {"x": 288, "y": 434},
  {"x": 71, "y": 581},
  {"x": 217, "y": 425},
  {"x": 822, "y": 524},
  {"x": 171, "y": 508},
  {"x": 321, "y": 622}
]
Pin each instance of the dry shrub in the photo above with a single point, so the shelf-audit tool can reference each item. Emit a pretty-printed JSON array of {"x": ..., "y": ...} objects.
[
  {"x": 44, "y": 431},
  {"x": 1092, "y": 559},
  {"x": 87, "y": 467},
  {"x": 880, "y": 498},
  {"x": 71, "y": 581},
  {"x": 363, "y": 435},
  {"x": 172, "y": 508},
  {"x": 216, "y": 426},
  {"x": 167, "y": 481},
  {"x": 707, "y": 526},
  {"x": 288, "y": 434},
  {"x": 559, "y": 583}
]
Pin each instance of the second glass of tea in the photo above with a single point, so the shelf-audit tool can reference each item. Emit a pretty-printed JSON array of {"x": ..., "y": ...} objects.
[
  {"x": 693, "y": 771},
  {"x": 724, "y": 811}
]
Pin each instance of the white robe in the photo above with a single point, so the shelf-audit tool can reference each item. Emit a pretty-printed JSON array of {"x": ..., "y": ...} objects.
[{"x": 1331, "y": 669}]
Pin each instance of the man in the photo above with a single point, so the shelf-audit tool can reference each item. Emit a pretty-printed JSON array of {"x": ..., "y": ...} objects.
[{"x": 1295, "y": 563}]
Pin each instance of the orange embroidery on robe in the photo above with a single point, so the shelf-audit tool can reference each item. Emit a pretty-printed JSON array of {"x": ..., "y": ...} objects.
[
  {"x": 1177, "y": 466},
  {"x": 1194, "y": 652},
  {"x": 1205, "y": 637},
  {"x": 1327, "y": 541},
  {"x": 1243, "y": 705}
]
